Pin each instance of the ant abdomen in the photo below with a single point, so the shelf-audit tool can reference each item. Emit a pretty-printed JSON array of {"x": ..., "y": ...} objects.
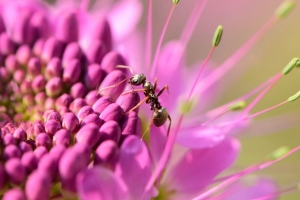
[{"x": 160, "y": 116}]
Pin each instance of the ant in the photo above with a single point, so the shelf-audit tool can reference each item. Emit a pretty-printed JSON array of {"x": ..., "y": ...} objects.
[{"x": 160, "y": 113}]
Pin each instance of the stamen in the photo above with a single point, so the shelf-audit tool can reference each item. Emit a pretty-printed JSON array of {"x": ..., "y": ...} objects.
[
  {"x": 260, "y": 96},
  {"x": 216, "y": 40},
  {"x": 285, "y": 9},
  {"x": 290, "y": 99},
  {"x": 293, "y": 63},
  {"x": 157, "y": 51},
  {"x": 148, "y": 36},
  {"x": 172, "y": 137},
  {"x": 192, "y": 21},
  {"x": 234, "y": 177},
  {"x": 234, "y": 107}
]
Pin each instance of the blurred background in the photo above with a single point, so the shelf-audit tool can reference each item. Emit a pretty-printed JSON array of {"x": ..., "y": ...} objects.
[{"x": 241, "y": 19}]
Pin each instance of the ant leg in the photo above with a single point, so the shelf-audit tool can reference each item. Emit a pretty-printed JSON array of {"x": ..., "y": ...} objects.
[
  {"x": 169, "y": 127},
  {"x": 161, "y": 91},
  {"x": 125, "y": 67},
  {"x": 112, "y": 86},
  {"x": 155, "y": 84},
  {"x": 137, "y": 105},
  {"x": 134, "y": 90}
]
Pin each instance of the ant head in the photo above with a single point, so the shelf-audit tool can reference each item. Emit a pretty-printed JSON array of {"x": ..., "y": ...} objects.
[{"x": 137, "y": 79}]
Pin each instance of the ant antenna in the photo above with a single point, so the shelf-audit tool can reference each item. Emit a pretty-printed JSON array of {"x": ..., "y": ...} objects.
[
  {"x": 112, "y": 86},
  {"x": 125, "y": 67}
]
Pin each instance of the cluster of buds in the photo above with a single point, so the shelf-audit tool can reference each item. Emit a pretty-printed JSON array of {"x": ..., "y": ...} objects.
[{"x": 54, "y": 123}]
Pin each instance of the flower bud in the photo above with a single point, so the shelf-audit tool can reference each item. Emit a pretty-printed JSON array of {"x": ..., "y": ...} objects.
[
  {"x": 91, "y": 97},
  {"x": 29, "y": 161},
  {"x": 14, "y": 193},
  {"x": 107, "y": 154},
  {"x": 48, "y": 165},
  {"x": 40, "y": 151},
  {"x": 7, "y": 46},
  {"x": 70, "y": 122},
  {"x": 128, "y": 101},
  {"x": 11, "y": 151},
  {"x": 15, "y": 171},
  {"x": 41, "y": 182},
  {"x": 54, "y": 69},
  {"x": 43, "y": 139},
  {"x": 72, "y": 51},
  {"x": 84, "y": 111},
  {"x": 113, "y": 78},
  {"x": 67, "y": 27},
  {"x": 88, "y": 134},
  {"x": 112, "y": 112},
  {"x": 23, "y": 54},
  {"x": 93, "y": 76},
  {"x": 111, "y": 60},
  {"x": 54, "y": 87},
  {"x": 77, "y": 104},
  {"x": 92, "y": 118},
  {"x": 101, "y": 104},
  {"x": 52, "y": 48},
  {"x": 110, "y": 130},
  {"x": 96, "y": 52},
  {"x": 34, "y": 67},
  {"x": 102, "y": 32},
  {"x": 72, "y": 72},
  {"x": 62, "y": 137},
  {"x": 78, "y": 90},
  {"x": 38, "y": 83},
  {"x": 63, "y": 101}
]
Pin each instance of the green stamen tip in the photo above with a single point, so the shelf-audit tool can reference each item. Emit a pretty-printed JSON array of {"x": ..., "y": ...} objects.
[
  {"x": 294, "y": 97},
  {"x": 279, "y": 153},
  {"x": 175, "y": 2},
  {"x": 285, "y": 9},
  {"x": 217, "y": 36},
  {"x": 294, "y": 62},
  {"x": 237, "y": 106}
]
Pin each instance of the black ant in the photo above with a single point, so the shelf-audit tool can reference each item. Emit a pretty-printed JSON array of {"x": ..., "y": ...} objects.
[{"x": 160, "y": 114}]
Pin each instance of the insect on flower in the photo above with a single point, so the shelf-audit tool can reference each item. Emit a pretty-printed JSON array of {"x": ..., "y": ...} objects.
[{"x": 160, "y": 114}]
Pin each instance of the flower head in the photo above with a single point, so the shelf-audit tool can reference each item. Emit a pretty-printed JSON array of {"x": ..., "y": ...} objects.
[{"x": 68, "y": 129}]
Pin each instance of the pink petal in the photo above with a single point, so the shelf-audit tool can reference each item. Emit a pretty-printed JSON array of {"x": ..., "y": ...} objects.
[
  {"x": 134, "y": 167},
  {"x": 199, "y": 167},
  {"x": 124, "y": 17},
  {"x": 257, "y": 188},
  {"x": 100, "y": 183},
  {"x": 200, "y": 137},
  {"x": 157, "y": 142},
  {"x": 169, "y": 72}
]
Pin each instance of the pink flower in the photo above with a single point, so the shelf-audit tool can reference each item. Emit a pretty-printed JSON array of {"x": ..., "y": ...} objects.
[{"x": 65, "y": 121}]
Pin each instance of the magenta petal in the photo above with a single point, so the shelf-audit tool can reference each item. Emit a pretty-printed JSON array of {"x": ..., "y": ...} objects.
[
  {"x": 124, "y": 12},
  {"x": 100, "y": 183},
  {"x": 134, "y": 167},
  {"x": 200, "y": 137},
  {"x": 256, "y": 188},
  {"x": 198, "y": 168}
]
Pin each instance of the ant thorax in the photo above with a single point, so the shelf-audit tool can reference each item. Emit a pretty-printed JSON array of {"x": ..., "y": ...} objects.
[
  {"x": 148, "y": 88},
  {"x": 137, "y": 79}
]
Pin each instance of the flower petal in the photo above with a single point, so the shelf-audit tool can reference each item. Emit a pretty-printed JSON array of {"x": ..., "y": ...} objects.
[
  {"x": 258, "y": 188},
  {"x": 124, "y": 12},
  {"x": 200, "y": 137},
  {"x": 134, "y": 167},
  {"x": 99, "y": 183},
  {"x": 199, "y": 167}
]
